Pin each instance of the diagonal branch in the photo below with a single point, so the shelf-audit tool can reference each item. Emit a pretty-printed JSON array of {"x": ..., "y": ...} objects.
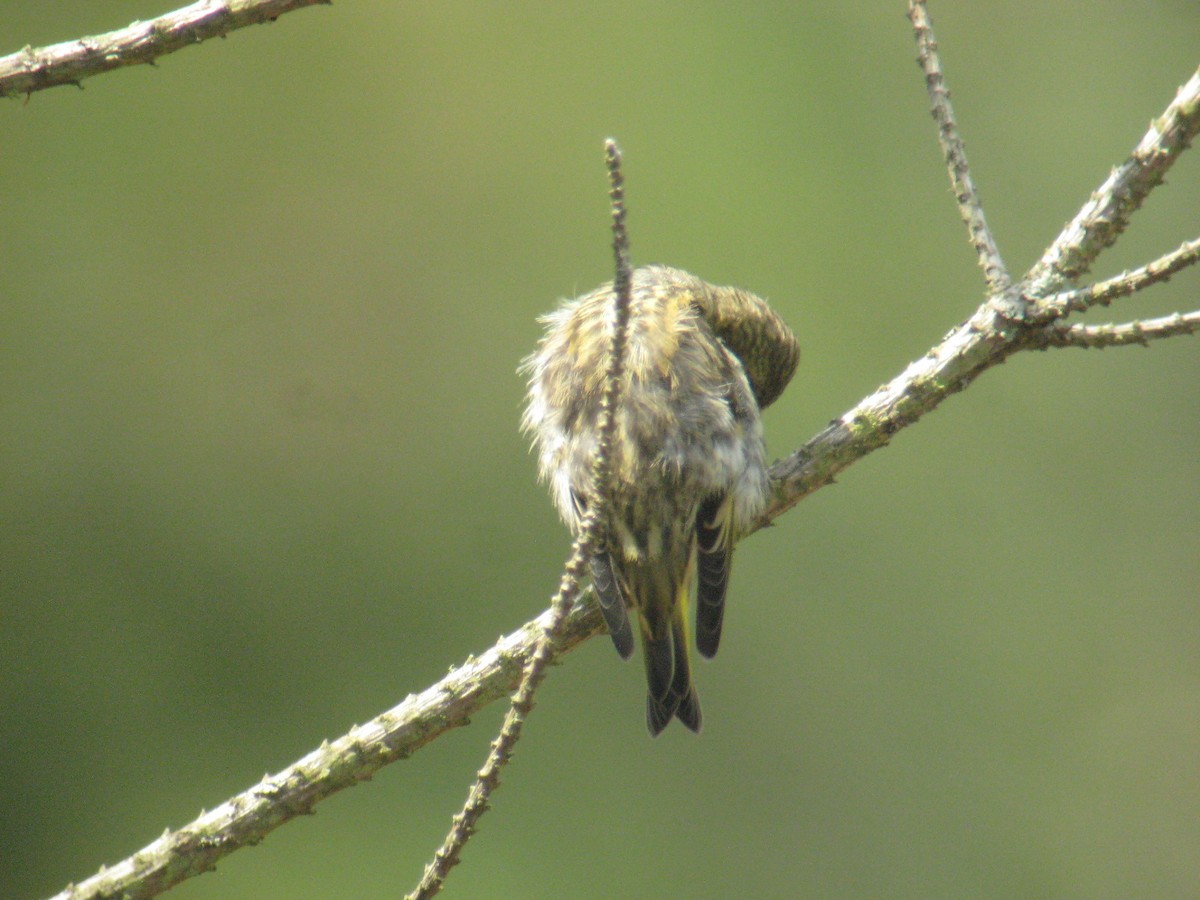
[
  {"x": 1059, "y": 334},
  {"x": 1130, "y": 282},
  {"x": 247, "y": 818},
  {"x": 70, "y": 62},
  {"x": 1102, "y": 219},
  {"x": 983, "y": 341},
  {"x": 986, "y": 339}
]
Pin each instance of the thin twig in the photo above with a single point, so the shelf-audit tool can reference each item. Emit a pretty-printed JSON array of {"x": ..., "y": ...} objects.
[
  {"x": 970, "y": 207},
  {"x": 70, "y": 62},
  {"x": 584, "y": 548},
  {"x": 1089, "y": 337},
  {"x": 1128, "y": 282},
  {"x": 1100, "y": 221}
]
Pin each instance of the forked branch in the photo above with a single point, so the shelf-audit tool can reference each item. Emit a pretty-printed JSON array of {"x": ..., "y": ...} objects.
[{"x": 996, "y": 330}]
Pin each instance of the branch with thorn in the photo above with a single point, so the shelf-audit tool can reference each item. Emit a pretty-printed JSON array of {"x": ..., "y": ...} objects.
[
  {"x": 35, "y": 69},
  {"x": 1030, "y": 314},
  {"x": 583, "y": 549}
]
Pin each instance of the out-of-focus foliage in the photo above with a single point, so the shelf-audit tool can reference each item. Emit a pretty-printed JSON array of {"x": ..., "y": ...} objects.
[{"x": 260, "y": 474}]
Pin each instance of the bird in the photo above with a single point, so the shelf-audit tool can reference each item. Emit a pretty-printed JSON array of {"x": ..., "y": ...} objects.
[{"x": 688, "y": 460}]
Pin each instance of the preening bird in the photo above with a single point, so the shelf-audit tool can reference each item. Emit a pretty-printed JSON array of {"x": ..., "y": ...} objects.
[{"x": 688, "y": 458}]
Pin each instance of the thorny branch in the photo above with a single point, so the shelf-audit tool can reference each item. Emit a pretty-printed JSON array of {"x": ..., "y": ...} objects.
[
  {"x": 70, "y": 62},
  {"x": 1102, "y": 219},
  {"x": 584, "y": 547},
  {"x": 1104, "y": 292},
  {"x": 1142, "y": 332},
  {"x": 970, "y": 207},
  {"x": 988, "y": 337}
]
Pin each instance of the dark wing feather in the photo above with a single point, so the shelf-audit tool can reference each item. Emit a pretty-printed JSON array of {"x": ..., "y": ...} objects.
[
  {"x": 680, "y": 701},
  {"x": 688, "y": 710},
  {"x": 612, "y": 604},
  {"x": 654, "y": 589},
  {"x": 665, "y": 644},
  {"x": 661, "y": 701},
  {"x": 658, "y": 716},
  {"x": 714, "y": 546}
]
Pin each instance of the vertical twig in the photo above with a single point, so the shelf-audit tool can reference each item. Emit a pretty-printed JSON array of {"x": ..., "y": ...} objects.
[{"x": 488, "y": 777}]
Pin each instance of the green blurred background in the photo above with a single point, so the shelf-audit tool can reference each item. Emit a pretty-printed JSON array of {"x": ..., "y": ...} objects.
[{"x": 261, "y": 475}]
